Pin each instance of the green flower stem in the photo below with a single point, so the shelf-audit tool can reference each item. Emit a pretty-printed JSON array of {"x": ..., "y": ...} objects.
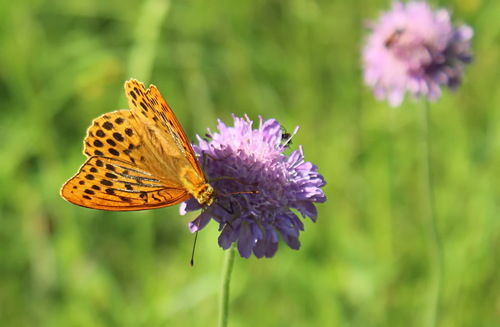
[
  {"x": 431, "y": 233},
  {"x": 226, "y": 281}
]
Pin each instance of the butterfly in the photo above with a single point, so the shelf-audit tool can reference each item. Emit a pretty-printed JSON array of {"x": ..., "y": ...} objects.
[{"x": 138, "y": 159}]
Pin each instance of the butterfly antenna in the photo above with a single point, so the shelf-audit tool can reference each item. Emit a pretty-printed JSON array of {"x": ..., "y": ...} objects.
[
  {"x": 240, "y": 192},
  {"x": 191, "y": 263}
]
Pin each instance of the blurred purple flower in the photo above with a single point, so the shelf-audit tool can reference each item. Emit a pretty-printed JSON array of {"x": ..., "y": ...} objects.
[
  {"x": 411, "y": 48},
  {"x": 242, "y": 159}
]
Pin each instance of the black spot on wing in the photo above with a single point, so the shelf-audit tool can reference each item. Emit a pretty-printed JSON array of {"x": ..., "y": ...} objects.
[
  {"x": 114, "y": 152},
  {"x": 105, "y": 182},
  {"x": 118, "y": 137},
  {"x": 107, "y": 125},
  {"x": 111, "y": 142}
]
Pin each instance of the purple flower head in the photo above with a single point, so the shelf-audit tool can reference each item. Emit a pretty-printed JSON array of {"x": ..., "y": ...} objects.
[
  {"x": 411, "y": 48},
  {"x": 242, "y": 159}
]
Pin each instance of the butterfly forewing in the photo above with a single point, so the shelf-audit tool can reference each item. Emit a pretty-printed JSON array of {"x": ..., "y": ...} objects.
[{"x": 153, "y": 107}]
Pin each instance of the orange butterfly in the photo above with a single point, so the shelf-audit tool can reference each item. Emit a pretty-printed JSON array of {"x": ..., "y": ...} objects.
[{"x": 138, "y": 159}]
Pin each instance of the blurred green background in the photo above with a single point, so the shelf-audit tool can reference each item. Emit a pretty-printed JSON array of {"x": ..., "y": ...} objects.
[{"x": 368, "y": 261}]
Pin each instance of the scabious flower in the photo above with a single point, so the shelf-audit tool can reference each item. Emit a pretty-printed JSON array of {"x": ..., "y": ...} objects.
[
  {"x": 240, "y": 160},
  {"x": 411, "y": 48}
]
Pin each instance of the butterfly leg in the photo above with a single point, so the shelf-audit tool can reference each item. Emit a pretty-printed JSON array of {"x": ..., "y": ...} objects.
[{"x": 229, "y": 210}]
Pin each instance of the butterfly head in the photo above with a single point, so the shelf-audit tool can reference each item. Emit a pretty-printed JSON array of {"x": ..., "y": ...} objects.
[
  {"x": 205, "y": 195},
  {"x": 198, "y": 187}
]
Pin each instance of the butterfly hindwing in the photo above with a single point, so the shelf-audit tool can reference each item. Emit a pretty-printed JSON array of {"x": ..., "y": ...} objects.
[
  {"x": 111, "y": 184},
  {"x": 116, "y": 135}
]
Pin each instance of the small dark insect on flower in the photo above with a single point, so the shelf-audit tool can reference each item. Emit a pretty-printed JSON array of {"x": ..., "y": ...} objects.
[
  {"x": 286, "y": 137},
  {"x": 240, "y": 159},
  {"x": 393, "y": 38}
]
